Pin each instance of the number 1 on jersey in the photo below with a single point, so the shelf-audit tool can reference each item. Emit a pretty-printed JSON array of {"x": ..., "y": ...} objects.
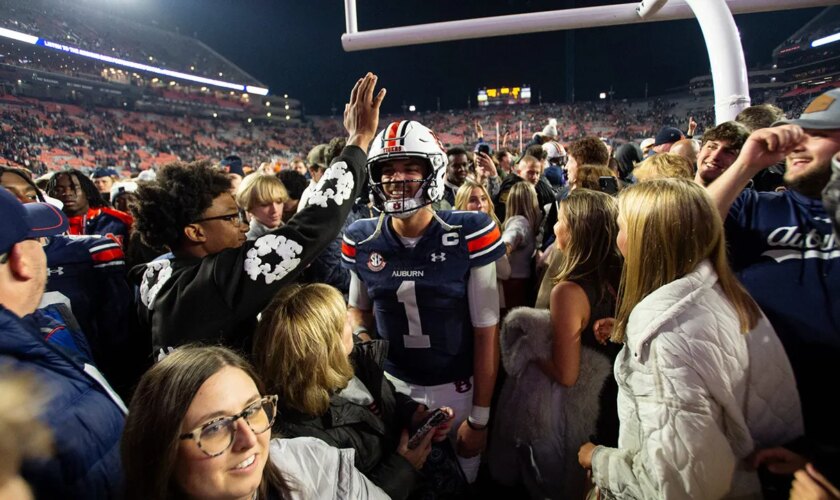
[{"x": 407, "y": 296}]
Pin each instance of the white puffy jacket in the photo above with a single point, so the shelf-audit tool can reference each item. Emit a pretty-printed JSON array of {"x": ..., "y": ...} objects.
[
  {"x": 696, "y": 396},
  {"x": 315, "y": 469}
]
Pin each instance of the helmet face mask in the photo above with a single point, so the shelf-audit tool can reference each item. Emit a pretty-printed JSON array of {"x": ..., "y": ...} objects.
[
  {"x": 406, "y": 140},
  {"x": 556, "y": 153}
]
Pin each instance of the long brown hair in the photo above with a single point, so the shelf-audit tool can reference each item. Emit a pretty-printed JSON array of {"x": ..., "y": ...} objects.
[
  {"x": 671, "y": 226},
  {"x": 298, "y": 349},
  {"x": 590, "y": 217},
  {"x": 163, "y": 396}
]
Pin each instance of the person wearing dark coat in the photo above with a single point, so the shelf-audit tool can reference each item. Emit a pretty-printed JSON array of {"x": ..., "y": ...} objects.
[
  {"x": 82, "y": 412},
  {"x": 301, "y": 349}
]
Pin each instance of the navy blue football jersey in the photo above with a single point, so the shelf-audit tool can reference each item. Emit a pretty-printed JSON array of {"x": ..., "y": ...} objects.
[
  {"x": 419, "y": 295},
  {"x": 87, "y": 274}
]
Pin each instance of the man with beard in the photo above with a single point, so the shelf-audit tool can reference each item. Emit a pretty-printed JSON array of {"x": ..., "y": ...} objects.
[
  {"x": 784, "y": 250},
  {"x": 720, "y": 147}
]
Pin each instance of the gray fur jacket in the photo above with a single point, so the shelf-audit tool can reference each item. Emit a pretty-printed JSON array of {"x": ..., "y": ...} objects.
[{"x": 540, "y": 425}]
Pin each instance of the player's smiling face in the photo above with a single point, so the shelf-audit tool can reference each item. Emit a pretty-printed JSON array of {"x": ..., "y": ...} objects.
[{"x": 402, "y": 178}]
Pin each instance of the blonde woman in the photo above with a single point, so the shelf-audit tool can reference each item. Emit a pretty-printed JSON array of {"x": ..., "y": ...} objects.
[
  {"x": 474, "y": 197},
  {"x": 262, "y": 196},
  {"x": 703, "y": 379},
  {"x": 664, "y": 165},
  {"x": 301, "y": 349},
  {"x": 522, "y": 222}
]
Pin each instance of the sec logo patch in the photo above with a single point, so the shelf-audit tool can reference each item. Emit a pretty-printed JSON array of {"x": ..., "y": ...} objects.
[{"x": 375, "y": 262}]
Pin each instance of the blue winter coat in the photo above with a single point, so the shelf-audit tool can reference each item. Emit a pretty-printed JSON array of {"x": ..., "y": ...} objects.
[{"x": 86, "y": 422}]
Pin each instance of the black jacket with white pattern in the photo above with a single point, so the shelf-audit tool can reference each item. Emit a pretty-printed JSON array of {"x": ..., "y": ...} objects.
[{"x": 216, "y": 299}]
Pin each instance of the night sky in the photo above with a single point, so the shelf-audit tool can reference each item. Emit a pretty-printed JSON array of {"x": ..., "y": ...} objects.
[{"x": 294, "y": 47}]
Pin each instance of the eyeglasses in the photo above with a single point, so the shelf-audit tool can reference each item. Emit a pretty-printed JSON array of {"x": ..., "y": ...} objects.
[
  {"x": 216, "y": 436},
  {"x": 235, "y": 218}
]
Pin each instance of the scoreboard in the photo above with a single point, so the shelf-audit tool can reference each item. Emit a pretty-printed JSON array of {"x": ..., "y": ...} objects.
[{"x": 504, "y": 95}]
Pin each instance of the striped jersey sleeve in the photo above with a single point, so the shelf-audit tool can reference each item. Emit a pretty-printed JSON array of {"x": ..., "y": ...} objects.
[
  {"x": 484, "y": 241},
  {"x": 106, "y": 252},
  {"x": 348, "y": 252}
]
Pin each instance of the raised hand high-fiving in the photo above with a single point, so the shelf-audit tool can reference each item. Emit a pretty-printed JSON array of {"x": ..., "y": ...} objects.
[{"x": 361, "y": 114}]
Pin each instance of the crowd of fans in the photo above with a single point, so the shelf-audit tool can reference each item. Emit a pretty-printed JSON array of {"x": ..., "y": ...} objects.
[
  {"x": 89, "y": 28},
  {"x": 43, "y": 135},
  {"x": 663, "y": 295}
]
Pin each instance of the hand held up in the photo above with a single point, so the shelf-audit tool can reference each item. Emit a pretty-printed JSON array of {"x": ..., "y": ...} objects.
[{"x": 361, "y": 114}]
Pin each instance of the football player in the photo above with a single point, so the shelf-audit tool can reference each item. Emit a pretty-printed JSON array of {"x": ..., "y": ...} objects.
[{"x": 427, "y": 281}]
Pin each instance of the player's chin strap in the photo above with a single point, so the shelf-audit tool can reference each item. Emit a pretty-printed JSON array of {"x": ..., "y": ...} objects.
[
  {"x": 381, "y": 220},
  {"x": 377, "y": 231},
  {"x": 448, "y": 227}
]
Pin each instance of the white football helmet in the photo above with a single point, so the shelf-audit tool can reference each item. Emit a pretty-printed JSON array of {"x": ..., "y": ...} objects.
[
  {"x": 398, "y": 141},
  {"x": 555, "y": 152}
]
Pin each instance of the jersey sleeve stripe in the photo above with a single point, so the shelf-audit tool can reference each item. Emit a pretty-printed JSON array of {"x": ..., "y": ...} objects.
[
  {"x": 483, "y": 230},
  {"x": 348, "y": 251},
  {"x": 109, "y": 244},
  {"x": 109, "y": 264},
  {"x": 486, "y": 250},
  {"x": 108, "y": 255},
  {"x": 483, "y": 242}
]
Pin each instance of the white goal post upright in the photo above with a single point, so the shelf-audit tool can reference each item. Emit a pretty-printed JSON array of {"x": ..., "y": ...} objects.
[{"x": 729, "y": 73}]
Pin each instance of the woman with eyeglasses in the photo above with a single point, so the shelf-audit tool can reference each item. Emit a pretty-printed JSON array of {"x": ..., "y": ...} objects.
[{"x": 199, "y": 427}]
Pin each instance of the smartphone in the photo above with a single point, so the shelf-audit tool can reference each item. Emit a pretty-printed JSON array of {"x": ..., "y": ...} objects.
[
  {"x": 433, "y": 420},
  {"x": 484, "y": 148},
  {"x": 608, "y": 184}
]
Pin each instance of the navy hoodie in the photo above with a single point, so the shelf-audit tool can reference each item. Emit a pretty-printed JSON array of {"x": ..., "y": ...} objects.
[{"x": 786, "y": 255}]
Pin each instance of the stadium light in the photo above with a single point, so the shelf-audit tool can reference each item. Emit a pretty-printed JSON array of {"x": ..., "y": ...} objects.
[
  {"x": 602, "y": 95},
  {"x": 268, "y": 114},
  {"x": 20, "y": 37},
  {"x": 34, "y": 40},
  {"x": 256, "y": 90},
  {"x": 825, "y": 40},
  {"x": 412, "y": 108}
]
